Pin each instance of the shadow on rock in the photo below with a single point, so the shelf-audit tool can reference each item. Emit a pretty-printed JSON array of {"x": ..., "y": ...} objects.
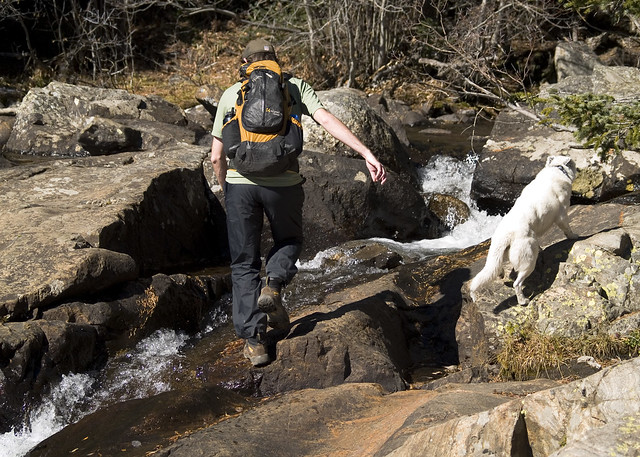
[{"x": 362, "y": 341}]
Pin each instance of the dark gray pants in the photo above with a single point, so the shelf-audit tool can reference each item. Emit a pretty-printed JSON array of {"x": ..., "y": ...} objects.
[{"x": 246, "y": 206}]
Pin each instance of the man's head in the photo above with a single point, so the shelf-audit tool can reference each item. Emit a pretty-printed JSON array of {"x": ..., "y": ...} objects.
[{"x": 258, "y": 49}]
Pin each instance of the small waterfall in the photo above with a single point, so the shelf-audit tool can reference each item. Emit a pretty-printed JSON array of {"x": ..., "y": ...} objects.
[
  {"x": 138, "y": 373},
  {"x": 447, "y": 175},
  {"x": 443, "y": 175}
]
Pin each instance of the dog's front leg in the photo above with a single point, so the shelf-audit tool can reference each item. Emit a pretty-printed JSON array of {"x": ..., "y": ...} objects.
[
  {"x": 518, "y": 286},
  {"x": 563, "y": 224}
]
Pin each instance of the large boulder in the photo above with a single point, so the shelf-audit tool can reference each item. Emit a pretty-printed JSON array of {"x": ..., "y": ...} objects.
[
  {"x": 342, "y": 203},
  {"x": 351, "y": 107},
  {"x": 65, "y": 120},
  {"x": 74, "y": 227},
  {"x": 342, "y": 342}
]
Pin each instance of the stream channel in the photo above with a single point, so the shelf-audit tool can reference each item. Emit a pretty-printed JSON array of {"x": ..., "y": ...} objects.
[{"x": 163, "y": 360}]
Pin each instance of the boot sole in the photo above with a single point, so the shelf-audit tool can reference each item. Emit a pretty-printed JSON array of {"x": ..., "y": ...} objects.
[{"x": 266, "y": 304}]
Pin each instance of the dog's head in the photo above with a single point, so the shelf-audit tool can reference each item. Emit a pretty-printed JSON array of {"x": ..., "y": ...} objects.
[{"x": 565, "y": 164}]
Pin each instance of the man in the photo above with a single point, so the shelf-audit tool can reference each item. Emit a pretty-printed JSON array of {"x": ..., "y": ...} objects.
[{"x": 280, "y": 197}]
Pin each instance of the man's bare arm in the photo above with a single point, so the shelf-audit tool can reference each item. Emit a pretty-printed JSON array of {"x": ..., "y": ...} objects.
[
  {"x": 219, "y": 161},
  {"x": 338, "y": 130}
]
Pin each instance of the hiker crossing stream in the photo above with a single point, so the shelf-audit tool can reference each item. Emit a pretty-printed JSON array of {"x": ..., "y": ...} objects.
[{"x": 160, "y": 360}]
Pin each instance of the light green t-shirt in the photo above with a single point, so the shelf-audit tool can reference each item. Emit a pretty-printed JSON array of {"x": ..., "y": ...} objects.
[{"x": 306, "y": 102}]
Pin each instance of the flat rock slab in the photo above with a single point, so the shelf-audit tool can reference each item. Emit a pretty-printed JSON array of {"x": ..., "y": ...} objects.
[
  {"x": 536, "y": 418},
  {"x": 75, "y": 226},
  {"x": 346, "y": 420}
]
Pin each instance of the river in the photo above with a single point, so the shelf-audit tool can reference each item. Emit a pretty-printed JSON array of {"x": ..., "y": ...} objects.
[{"x": 156, "y": 362}]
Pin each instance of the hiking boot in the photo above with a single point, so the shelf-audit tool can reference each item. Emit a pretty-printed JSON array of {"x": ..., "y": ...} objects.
[
  {"x": 256, "y": 352},
  {"x": 270, "y": 302}
]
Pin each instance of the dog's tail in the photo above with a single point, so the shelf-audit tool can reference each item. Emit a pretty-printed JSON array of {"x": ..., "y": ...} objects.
[{"x": 493, "y": 265}]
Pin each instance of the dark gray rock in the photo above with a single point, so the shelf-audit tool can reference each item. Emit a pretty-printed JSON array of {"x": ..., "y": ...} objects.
[
  {"x": 139, "y": 426},
  {"x": 354, "y": 342},
  {"x": 342, "y": 203}
]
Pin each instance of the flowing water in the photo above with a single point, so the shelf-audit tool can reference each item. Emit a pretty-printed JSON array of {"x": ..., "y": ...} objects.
[{"x": 148, "y": 369}]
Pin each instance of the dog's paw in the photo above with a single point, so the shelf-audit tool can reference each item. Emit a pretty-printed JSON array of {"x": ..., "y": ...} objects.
[{"x": 522, "y": 300}]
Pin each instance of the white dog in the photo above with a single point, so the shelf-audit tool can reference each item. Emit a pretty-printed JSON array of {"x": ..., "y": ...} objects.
[{"x": 543, "y": 202}]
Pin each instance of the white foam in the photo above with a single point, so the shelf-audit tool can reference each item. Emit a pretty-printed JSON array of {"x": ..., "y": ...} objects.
[{"x": 137, "y": 374}]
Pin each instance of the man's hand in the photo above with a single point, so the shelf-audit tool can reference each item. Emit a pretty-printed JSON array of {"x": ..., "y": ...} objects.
[{"x": 377, "y": 171}]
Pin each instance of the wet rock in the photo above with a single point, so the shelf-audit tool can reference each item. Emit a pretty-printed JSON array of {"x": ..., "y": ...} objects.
[
  {"x": 138, "y": 427},
  {"x": 342, "y": 203},
  {"x": 362, "y": 252},
  {"x": 449, "y": 210},
  {"x": 36, "y": 353}
]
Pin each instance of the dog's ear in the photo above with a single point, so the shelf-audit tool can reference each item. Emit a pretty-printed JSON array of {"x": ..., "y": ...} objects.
[{"x": 549, "y": 160}]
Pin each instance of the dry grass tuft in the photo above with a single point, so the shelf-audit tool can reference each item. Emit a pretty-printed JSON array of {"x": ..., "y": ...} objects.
[
  {"x": 146, "y": 306},
  {"x": 528, "y": 353}
]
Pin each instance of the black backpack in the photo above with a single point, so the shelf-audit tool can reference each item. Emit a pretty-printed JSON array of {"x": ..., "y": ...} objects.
[{"x": 260, "y": 135}]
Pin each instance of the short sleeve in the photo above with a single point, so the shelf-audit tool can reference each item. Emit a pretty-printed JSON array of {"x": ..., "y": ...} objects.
[
  {"x": 310, "y": 101},
  {"x": 226, "y": 102}
]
